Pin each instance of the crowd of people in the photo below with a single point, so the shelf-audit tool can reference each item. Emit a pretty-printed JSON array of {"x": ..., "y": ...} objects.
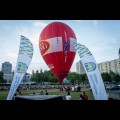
[
  {"x": 42, "y": 93},
  {"x": 18, "y": 92},
  {"x": 30, "y": 87},
  {"x": 83, "y": 96},
  {"x": 43, "y": 90},
  {"x": 38, "y": 87}
]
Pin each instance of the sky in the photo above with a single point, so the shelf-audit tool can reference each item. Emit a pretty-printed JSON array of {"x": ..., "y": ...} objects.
[{"x": 102, "y": 37}]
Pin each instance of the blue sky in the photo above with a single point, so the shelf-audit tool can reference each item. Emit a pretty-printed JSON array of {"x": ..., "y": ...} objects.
[{"x": 102, "y": 37}]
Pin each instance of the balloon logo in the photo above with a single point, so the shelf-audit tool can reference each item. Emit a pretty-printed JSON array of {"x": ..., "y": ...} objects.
[
  {"x": 44, "y": 46},
  {"x": 56, "y": 47}
]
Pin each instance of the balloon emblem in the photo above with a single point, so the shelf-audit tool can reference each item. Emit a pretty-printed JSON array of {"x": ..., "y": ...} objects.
[{"x": 56, "y": 47}]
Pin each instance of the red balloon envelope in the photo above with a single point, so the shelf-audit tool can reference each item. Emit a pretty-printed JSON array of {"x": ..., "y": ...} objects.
[{"x": 56, "y": 48}]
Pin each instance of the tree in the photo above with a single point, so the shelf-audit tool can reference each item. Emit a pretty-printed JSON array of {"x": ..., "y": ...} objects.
[
  {"x": 46, "y": 76},
  {"x": 73, "y": 77},
  {"x": 41, "y": 71},
  {"x": 84, "y": 78},
  {"x": 79, "y": 78},
  {"x": 46, "y": 73},
  {"x": 106, "y": 77},
  {"x": 51, "y": 77},
  {"x": 37, "y": 76},
  {"x": 112, "y": 75},
  {"x": 41, "y": 76},
  {"x": 37, "y": 71},
  {"x": 117, "y": 78},
  {"x": 1, "y": 77},
  {"x": 33, "y": 73},
  {"x": 33, "y": 76}
]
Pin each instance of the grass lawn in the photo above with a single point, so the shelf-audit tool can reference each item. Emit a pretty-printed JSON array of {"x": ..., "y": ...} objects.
[{"x": 75, "y": 95}]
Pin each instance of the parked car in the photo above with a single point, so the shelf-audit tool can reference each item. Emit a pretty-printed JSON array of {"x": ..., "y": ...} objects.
[
  {"x": 108, "y": 87},
  {"x": 116, "y": 87}
]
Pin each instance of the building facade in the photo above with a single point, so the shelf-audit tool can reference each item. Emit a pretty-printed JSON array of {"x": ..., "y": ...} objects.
[
  {"x": 6, "y": 68},
  {"x": 27, "y": 78},
  {"x": 8, "y": 77},
  {"x": 113, "y": 65},
  {"x": 79, "y": 67}
]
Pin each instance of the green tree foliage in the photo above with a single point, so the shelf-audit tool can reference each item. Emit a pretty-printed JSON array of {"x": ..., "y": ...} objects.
[
  {"x": 117, "y": 78},
  {"x": 83, "y": 78},
  {"x": 111, "y": 77},
  {"x": 33, "y": 73},
  {"x": 1, "y": 77},
  {"x": 114, "y": 77},
  {"x": 51, "y": 77},
  {"x": 73, "y": 77},
  {"x": 77, "y": 78},
  {"x": 33, "y": 76},
  {"x": 106, "y": 77},
  {"x": 47, "y": 76},
  {"x": 41, "y": 77}
]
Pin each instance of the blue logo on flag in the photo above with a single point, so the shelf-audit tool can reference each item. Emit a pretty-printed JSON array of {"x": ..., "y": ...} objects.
[
  {"x": 22, "y": 67},
  {"x": 90, "y": 66}
]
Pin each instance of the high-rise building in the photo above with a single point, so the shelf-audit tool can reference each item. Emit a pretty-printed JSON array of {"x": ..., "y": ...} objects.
[
  {"x": 8, "y": 77},
  {"x": 6, "y": 68},
  {"x": 80, "y": 68},
  {"x": 113, "y": 65}
]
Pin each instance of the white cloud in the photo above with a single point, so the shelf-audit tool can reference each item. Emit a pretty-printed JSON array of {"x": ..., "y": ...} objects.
[
  {"x": 29, "y": 32},
  {"x": 11, "y": 54},
  {"x": 39, "y": 24}
]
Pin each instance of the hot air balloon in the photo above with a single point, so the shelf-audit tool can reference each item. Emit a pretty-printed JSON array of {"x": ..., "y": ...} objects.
[{"x": 56, "y": 47}]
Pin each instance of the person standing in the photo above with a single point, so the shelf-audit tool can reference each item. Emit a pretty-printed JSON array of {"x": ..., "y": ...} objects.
[
  {"x": 41, "y": 93},
  {"x": 81, "y": 97},
  {"x": 20, "y": 93},
  {"x": 68, "y": 96},
  {"x": 84, "y": 96},
  {"x": 46, "y": 92}
]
